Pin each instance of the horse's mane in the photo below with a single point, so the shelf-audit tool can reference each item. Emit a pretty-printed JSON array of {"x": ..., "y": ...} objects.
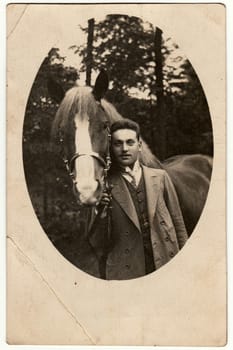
[
  {"x": 80, "y": 100},
  {"x": 77, "y": 100}
]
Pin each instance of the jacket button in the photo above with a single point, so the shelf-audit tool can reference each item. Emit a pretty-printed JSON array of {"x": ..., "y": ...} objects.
[
  {"x": 171, "y": 254},
  {"x": 127, "y": 251},
  {"x": 126, "y": 233},
  {"x": 146, "y": 224},
  {"x": 127, "y": 266},
  {"x": 167, "y": 239},
  {"x": 162, "y": 222}
]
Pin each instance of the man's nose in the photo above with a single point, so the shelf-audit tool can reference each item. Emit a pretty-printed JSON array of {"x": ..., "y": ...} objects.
[{"x": 124, "y": 146}]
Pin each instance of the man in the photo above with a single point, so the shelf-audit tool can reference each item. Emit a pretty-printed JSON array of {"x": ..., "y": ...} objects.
[{"x": 144, "y": 228}]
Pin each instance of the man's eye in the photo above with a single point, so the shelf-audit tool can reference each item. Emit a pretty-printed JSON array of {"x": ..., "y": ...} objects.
[{"x": 130, "y": 142}]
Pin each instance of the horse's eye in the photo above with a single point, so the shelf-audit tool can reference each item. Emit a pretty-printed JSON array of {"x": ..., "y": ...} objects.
[{"x": 105, "y": 125}]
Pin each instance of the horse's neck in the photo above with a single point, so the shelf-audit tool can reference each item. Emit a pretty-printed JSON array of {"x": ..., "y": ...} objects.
[{"x": 147, "y": 158}]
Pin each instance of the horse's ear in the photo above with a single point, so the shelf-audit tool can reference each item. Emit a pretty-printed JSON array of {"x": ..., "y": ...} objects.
[
  {"x": 101, "y": 85},
  {"x": 55, "y": 90}
]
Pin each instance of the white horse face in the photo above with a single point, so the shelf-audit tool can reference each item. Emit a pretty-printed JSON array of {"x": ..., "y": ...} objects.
[
  {"x": 81, "y": 120},
  {"x": 91, "y": 145}
]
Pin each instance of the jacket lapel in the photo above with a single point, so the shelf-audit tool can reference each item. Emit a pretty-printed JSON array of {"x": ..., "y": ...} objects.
[
  {"x": 121, "y": 194},
  {"x": 152, "y": 184}
]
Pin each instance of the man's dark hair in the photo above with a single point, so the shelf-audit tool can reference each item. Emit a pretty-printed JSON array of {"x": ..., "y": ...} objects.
[{"x": 125, "y": 124}]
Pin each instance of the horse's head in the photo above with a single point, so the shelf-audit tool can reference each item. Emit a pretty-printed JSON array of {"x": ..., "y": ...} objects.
[{"x": 81, "y": 127}]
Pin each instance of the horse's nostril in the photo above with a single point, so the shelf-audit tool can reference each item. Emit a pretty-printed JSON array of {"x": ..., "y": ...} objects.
[
  {"x": 89, "y": 192},
  {"x": 88, "y": 187},
  {"x": 99, "y": 184}
]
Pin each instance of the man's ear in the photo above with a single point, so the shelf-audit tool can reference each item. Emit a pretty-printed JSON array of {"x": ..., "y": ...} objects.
[{"x": 140, "y": 144}]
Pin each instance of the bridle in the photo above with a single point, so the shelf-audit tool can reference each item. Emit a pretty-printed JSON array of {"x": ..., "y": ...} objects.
[{"x": 106, "y": 163}]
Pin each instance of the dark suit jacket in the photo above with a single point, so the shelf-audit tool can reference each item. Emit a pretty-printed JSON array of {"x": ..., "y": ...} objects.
[{"x": 121, "y": 255}]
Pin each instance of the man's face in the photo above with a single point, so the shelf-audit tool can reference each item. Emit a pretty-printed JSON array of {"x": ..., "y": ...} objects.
[{"x": 125, "y": 147}]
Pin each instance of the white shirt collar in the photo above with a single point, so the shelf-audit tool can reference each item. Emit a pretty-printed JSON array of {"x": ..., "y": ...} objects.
[
  {"x": 136, "y": 172},
  {"x": 136, "y": 168}
]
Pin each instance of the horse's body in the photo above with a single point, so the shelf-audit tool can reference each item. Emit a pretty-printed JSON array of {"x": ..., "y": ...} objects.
[
  {"x": 81, "y": 120},
  {"x": 190, "y": 175}
]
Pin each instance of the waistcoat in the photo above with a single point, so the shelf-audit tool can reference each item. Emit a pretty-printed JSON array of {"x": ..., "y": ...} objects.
[{"x": 138, "y": 196}]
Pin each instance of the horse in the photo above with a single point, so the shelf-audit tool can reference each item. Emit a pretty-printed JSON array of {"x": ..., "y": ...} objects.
[{"x": 81, "y": 128}]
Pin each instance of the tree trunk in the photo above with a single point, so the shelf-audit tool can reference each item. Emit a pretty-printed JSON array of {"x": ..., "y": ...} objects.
[
  {"x": 160, "y": 115},
  {"x": 89, "y": 60}
]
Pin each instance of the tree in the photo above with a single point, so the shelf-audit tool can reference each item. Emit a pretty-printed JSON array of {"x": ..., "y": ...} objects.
[
  {"x": 39, "y": 102},
  {"x": 89, "y": 59},
  {"x": 128, "y": 49},
  {"x": 121, "y": 44},
  {"x": 47, "y": 180}
]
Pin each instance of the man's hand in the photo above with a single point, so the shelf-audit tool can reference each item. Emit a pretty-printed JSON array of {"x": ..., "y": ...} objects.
[
  {"x": 105, "y": 199},
  {"x": 104, "y": 205}
]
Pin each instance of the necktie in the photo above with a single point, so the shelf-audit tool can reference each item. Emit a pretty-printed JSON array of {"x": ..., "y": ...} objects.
[{"x": 131, "y": 176}]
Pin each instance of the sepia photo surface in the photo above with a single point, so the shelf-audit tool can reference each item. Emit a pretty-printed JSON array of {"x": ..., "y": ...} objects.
[{"x": 69, "y": 284}]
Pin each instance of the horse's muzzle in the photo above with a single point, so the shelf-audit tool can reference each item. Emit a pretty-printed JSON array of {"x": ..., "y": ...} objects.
[{"x": 88, "y": 192}]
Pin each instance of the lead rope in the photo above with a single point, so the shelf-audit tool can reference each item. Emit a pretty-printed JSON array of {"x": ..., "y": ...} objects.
[
  {"x": 106, "y": 213},
  {"x": 107, "y": 186}
]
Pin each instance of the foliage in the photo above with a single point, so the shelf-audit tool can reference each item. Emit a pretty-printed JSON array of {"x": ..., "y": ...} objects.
[
  {"x": 48, "y": 182},
  {"x": 125, "y": 47},
  {"x": 39, "y": 102}
]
